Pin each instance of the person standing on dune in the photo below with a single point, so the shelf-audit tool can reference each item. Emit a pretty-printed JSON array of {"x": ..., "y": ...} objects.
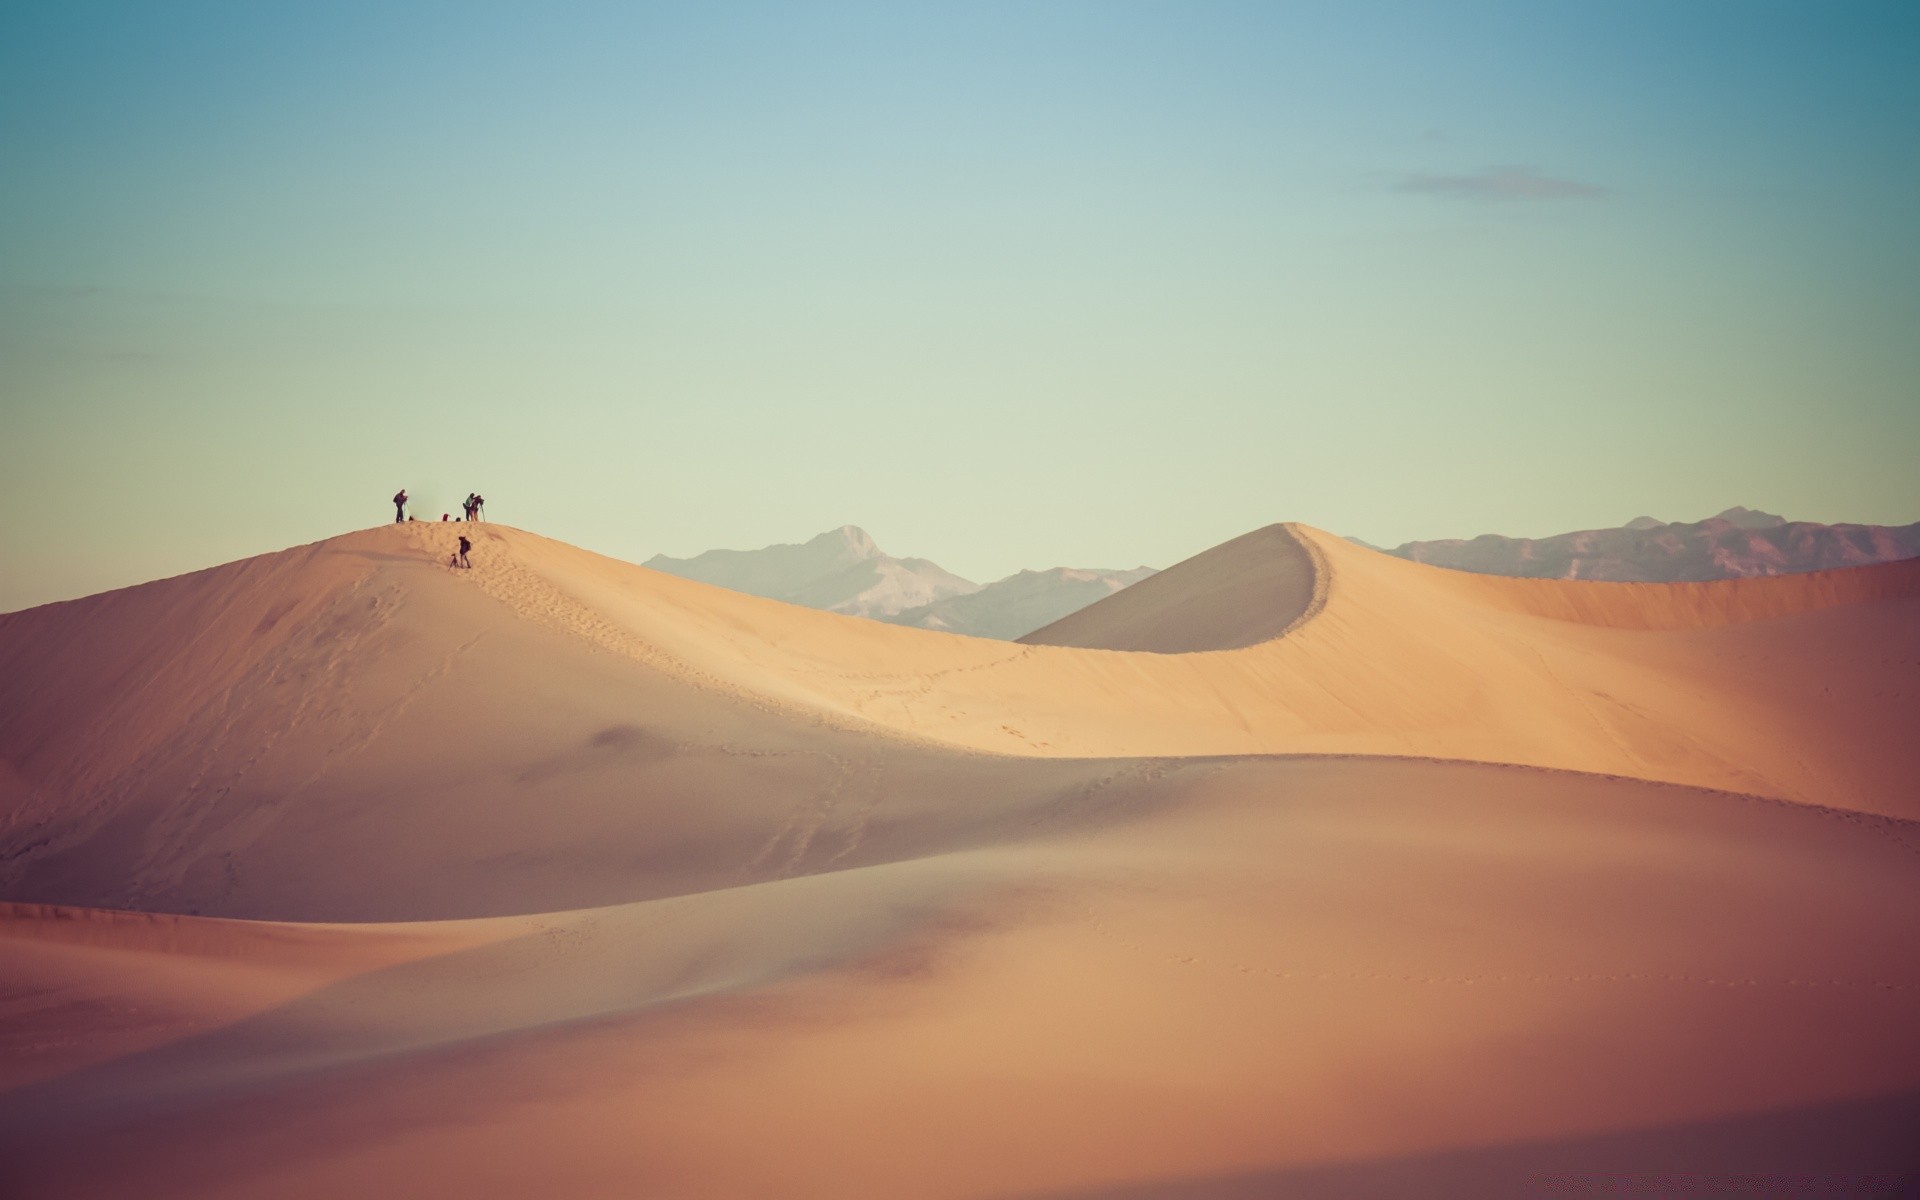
[
  {"x": 461, "y": 558},
  {"x": 479, "y": 506},
  {"x": 400, "y": 506}
]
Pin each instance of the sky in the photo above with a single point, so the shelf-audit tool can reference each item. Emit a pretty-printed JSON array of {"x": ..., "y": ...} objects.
[{"x": 1008, "y": 285}]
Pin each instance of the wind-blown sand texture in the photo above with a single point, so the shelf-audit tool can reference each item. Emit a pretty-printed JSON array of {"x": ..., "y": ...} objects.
[{"x": 1296, "y": 869}]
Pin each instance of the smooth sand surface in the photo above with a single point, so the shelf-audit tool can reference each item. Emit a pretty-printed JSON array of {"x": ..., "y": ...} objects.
[{"x": 1296, "y": 869}]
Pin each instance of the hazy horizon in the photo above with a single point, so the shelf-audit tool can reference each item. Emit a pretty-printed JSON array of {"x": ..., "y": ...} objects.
[
  {"x": 898, "y": 552},
  {"x": 1008, "y": 286}
]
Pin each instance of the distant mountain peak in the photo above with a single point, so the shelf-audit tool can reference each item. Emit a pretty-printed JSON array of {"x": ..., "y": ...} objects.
[
  {"x": 844, "y": 571},
  {"x": 1750, "y": 518},
  {"x": 851, "y": 538},
  {"x": 841, "y": 570},
  {"x": 1643, "y": 524}
]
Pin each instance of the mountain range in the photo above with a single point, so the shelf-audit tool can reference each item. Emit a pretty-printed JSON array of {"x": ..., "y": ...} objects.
[
  {"x": 1737, "y": 543},
  {"x": 844, "y": 571},
  {"x": 841, "y": 570}
]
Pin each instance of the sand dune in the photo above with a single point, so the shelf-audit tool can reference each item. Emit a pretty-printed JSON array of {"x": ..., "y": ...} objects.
[
  {"x": 1250, "y": 590},
  {"x": 1295, "y": 869}
]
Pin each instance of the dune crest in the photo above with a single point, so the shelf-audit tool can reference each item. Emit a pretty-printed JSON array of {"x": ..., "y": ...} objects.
[
  {"x": 1253, "y": 589},
  {"x": 1337, "y": 650}
]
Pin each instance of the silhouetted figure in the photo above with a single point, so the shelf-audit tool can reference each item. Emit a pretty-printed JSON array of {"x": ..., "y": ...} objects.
[
  {"x": 479, "y": 507},
  {"x": 461, "y": 558},
  {"x": 400, "y": 506},
  {"x": 466, "y": 506}
]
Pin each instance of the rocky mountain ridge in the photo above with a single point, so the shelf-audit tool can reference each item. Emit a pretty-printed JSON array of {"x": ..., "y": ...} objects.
[
  {"x": 841, "y": 570},
  {"x": 844, "y": 571},
  {"x": 1736, "y": 543}
]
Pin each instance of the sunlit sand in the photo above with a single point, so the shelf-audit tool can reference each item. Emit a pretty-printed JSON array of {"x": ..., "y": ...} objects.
[{"x": 1296, "y": 869}]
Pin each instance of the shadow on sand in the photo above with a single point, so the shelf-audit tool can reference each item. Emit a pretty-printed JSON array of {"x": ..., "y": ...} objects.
[{"x": 1859, "y": 1148}]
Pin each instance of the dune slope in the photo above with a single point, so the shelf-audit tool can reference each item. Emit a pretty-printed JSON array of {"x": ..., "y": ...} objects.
[
  {"x": 340, "y": 871},
  {"x": 1249, "y": 590}
]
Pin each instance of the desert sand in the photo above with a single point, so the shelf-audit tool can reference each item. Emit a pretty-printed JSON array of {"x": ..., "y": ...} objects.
[{"x": 1294, "y": 870}]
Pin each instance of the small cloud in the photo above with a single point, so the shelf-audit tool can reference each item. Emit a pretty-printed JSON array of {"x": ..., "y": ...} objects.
[{"x": 1500, "y": 183}]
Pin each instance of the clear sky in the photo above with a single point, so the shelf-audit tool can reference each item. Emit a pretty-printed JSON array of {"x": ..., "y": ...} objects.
[{"x": 1009, "y": 285}]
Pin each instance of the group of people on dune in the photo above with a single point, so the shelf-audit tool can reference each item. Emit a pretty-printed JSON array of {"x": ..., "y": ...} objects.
[{"x": 473, "y": 506}]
